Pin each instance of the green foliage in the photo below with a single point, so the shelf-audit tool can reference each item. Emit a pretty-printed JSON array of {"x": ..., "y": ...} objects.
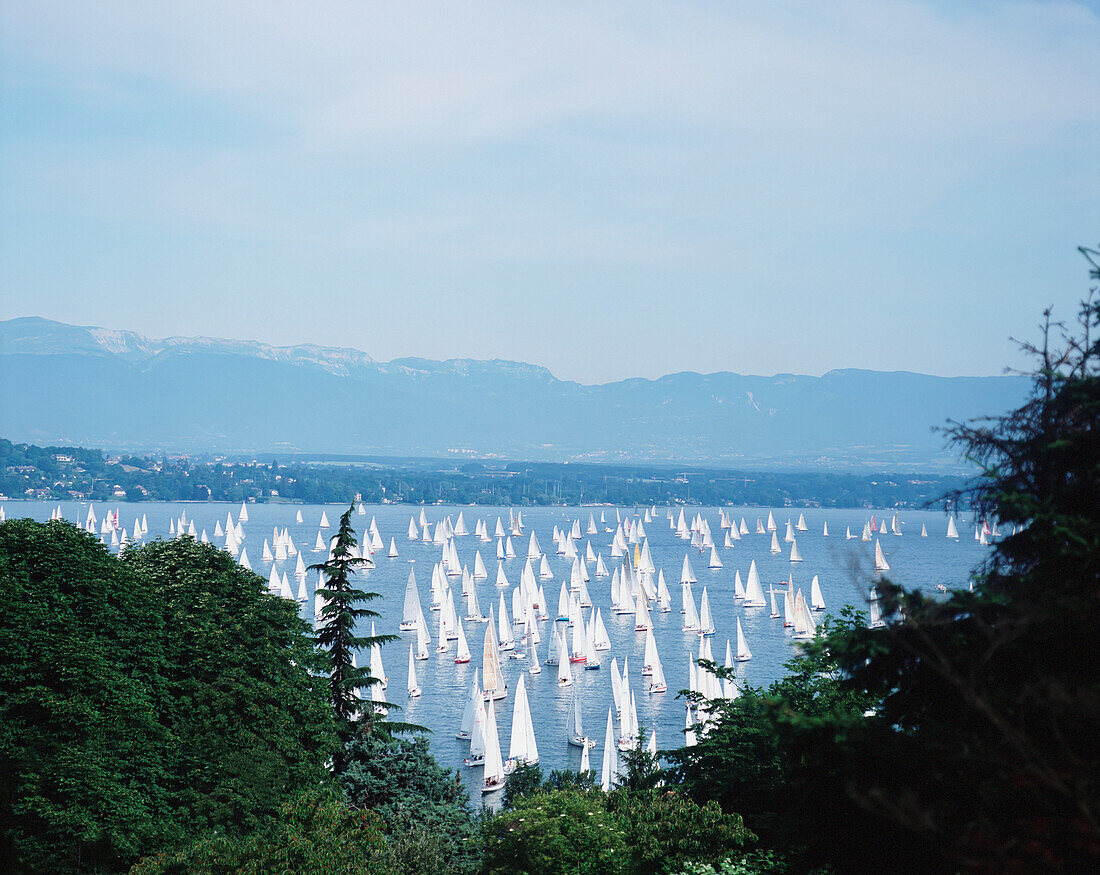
[
  {"x": 741, "y": 760},
  {"x": 248, "y": 722},
  {"x": 667, "y": 828},
  {"x": 962, "y": 734},
  {"x": 562, "y": 831},
  {"x": 748, "y": 863},
  {"x": 571, "y": 829},
  {"x": 81, "y": 743},
  {"x": 315, "y": 835},
  {"x": 144, "y": 701},
  {"x": 336, "y": 635},
  {"x": 424, "y": 808},
  {"x": 983, "y": 752}
]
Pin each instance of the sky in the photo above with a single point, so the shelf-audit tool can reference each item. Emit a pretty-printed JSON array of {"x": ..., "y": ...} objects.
[{"x": 610, "y": 190}]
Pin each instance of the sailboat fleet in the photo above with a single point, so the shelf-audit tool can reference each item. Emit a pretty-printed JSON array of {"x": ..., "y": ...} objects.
[{"x": 609, "y": 603}]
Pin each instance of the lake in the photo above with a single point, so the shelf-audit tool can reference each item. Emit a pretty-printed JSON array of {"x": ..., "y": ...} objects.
[{"x": 844, "y": 568}]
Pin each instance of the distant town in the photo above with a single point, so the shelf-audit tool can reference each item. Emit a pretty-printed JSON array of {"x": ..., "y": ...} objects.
[{"x": 80, "y": 474}]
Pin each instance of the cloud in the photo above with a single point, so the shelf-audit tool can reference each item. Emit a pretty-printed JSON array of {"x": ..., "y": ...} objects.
[{"x": 447, "y": 73}]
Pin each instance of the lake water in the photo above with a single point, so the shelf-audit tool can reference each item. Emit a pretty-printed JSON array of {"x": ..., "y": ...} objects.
[{"x": 844, "y": 567}]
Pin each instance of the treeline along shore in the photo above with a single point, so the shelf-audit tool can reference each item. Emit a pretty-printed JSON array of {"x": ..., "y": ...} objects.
[{"x": 77, "y": 473}]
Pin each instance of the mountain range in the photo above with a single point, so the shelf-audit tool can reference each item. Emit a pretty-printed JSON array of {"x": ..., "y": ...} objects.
[{"x": 63, "y": 384}]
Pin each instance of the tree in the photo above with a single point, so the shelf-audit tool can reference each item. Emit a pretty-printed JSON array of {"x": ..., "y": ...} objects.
[
  {"x": 566, "y": 831},
  {"x": 145, "y": 701},
  {"x": 424, "y": 808},
  {"x": 336, "y": 637},
  {"x": 81, "y": 743},
  {"x": 314, "y": 835},
  {"x": 247, "y": 719},
  {"x": 982, "y": 751}
]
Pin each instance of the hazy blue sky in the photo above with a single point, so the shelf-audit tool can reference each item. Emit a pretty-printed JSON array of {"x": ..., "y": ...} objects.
[{"x": 607, "y": 189}]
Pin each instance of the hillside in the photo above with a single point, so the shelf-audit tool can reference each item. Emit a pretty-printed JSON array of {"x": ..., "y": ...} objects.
[{"x": 64, "y": 384}]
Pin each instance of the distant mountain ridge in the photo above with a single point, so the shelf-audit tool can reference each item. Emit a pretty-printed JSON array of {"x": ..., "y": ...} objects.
[{"x": 99, "y": 387}]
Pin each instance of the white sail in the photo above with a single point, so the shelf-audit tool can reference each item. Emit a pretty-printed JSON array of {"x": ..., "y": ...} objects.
[
  {"x": 600, "y": 638},
  {"x": 691, "y": 616},
  {"x": 801, "y": 525},
  {"x": 504, "y": 627},
  {"x": 715, "y": 562},
  {"x": 775, "y": 548},
  {"x": 880, "y": 559},
  {"x": 565, "y": 673},
  {"x": 393, "y": 549},
  {"x": 657, "y": 682},
  {"x": 492, "y": 679},
  {"x": 642, "y": 621},
  {"x": 923, "y": 530},
  {"x": 411, "y": 609},
  {"x": 493, "y": 776},
  {"x": 462, "y": 654},
  {"x": 817, "y": 600},
  {"x": 521, "y": 746},
  {"x": 803, "y": 622},
  {"x": 610, "y": 768},
  {"x": 825, "y": 530},
  {"x": 324, "y": 520},
  {"x": 743, "y": 652},
  {"x": 706, "y": 621},
  {"x": 771, "y": 527},
  {"x": 414, "y": 689},
  {"x": 754, "y": 591},
  {"x": 789, "y": 536},
  {"x": 796, "y": 556},
  {"x": 465, "y": 728},
  {"x": 952, "y": 531},
  {"x": 423, "y": 638},
  {"x": 687, "y": 575}
]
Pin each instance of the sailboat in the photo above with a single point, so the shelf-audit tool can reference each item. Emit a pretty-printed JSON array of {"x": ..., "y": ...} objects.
[
  {"x": 825, "y": 530},
  {"x": 657, "y": 683},
  {"x": 565, "y": 673},
  {"x": 715, "y": 562},
  {"x": 521, "y": 746},
  {"x": 504, "y": 627},
  {"x": 411, "y": 610},
  {"x": 610, "y": 769},
  {"x": 463, "y": 653},
  {"x": 796, "y": 556},
  {"x": 775, "y": 548},
  {"x": 923, "y": 530},
  {"x": 577, "y": 738},
  {"x": 324, "y": 521},
  {"x": 880, "y": 558},
  {"x": 952, "y": 531},
  {"x": 472, "y": 701},
  {"x": 803, "y": 621},
  {"x": 743, "y": 652},
  {"x": 774, "y": 610},
  {"x": 706, "y": 621},
  {"x": 492, "y": 679},
  {"x": 493, "y": 776},
  {"x": 754, "y": 591},
  {"x": 817, "y": 600},
  {"x": 414, "y": 689}
]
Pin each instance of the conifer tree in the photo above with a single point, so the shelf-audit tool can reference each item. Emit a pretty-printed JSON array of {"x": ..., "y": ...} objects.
[{"x": 337, "y": 636}]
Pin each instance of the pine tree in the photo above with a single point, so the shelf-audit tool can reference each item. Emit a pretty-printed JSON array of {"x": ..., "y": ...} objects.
[{"x": 336, "y": 635}]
